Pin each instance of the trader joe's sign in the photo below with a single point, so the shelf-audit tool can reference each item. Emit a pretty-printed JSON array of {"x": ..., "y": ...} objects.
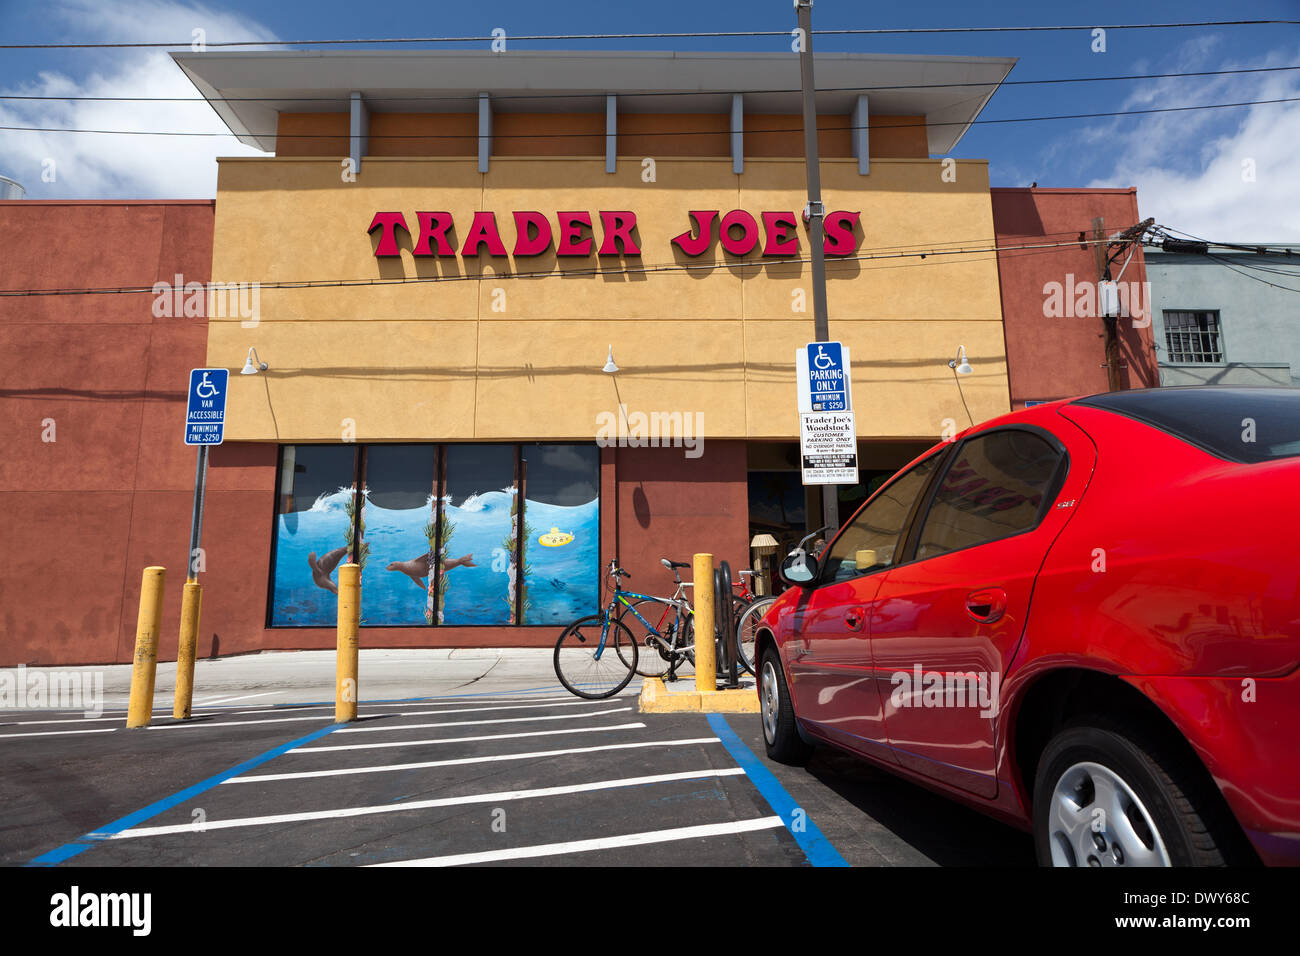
[{"x": 610, "y": 233}]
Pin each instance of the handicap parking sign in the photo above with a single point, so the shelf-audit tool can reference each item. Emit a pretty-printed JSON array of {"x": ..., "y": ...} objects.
[
  {"x": 205, "y": 411},
  {"x": 823, "y": 377}
]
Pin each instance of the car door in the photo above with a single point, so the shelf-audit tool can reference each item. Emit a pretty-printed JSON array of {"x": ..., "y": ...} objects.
[
  {"x": 830, "y": 654},
  {"x": 948, "y": 619}
]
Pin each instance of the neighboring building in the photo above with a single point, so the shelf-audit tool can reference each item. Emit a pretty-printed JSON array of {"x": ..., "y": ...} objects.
[
  {"x": 471, "y": 408},
  {"x": 95, "y": 484},
  {"x": 1226, "y": 318},
  {"x": 1056, "y": 346}
]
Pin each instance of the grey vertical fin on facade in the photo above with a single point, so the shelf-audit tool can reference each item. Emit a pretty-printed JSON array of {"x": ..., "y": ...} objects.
[
  {"x": 358, "y": 142},
  {"x": 484, "y": 131},
  {"x": 611, "y": 133},
  {"x": 861, "y": 135},
  {"x": 737, "y": 133}
]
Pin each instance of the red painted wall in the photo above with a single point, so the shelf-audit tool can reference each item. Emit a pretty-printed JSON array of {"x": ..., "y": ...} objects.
[
  {"x": 1050, "y": 358},
  {"x": 85, "y": 513}
]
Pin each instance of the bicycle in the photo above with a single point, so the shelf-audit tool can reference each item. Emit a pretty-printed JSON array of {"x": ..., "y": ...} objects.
[
  {"x": 596, "y": 656},
  {"x": 665, "y": 644},
  {"x": 655, "y": 658},
  {"x": 747, "y": 629}
]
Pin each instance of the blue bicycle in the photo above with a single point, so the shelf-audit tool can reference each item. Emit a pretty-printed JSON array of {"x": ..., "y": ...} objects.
[{"x": 597, "y": 656}]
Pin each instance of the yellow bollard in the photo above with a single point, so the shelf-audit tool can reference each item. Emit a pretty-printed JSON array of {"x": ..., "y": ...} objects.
[
  {"x": 706, "y": 664},
  {"x": 145, "y": 667},
  {"x": 345, "y": 671},
  {"x": 191, "y": 606}
]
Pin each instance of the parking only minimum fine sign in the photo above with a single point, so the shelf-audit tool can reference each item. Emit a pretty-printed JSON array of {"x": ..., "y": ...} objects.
[
  {"x": 825, "y": 384},
  {"x": 205, "y": 412}
]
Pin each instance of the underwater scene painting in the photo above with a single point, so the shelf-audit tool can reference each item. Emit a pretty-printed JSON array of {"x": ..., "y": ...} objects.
[{"x": 560, "y": 559}]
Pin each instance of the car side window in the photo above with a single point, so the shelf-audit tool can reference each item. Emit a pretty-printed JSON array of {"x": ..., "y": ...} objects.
[
  {"x": 870, "y": 541},
  {"x": 994, "y": 489}
]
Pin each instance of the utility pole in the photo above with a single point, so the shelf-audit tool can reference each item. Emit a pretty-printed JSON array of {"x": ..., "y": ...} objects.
[
  {"x": 1103, "y": 258},
  {"x": 815, "y": 213},
  {"x": 1111, "y": 322}
]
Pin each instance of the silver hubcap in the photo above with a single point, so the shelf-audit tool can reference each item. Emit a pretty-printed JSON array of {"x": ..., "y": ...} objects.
[
  {"x": 1097, "y": 820},
  {"x": 771, "y": 700}
]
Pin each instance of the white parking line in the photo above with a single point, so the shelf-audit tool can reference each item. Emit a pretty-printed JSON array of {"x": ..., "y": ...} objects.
[
  {"x": 461, "y": 740},
  {"x": 245, "y": 723},
  {"x": 601, "y": 843},
  {"x": 226, "y": 700},
  {"x": 61, "y": 733},
  {"x": 474, "y": 723},
  {"x": 422, "y": 804},
  {"x": 479, "y": 710},
  {"x": 385, "y": 768}
]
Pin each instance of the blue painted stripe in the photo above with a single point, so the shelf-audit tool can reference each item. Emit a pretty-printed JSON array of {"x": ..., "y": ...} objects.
[
  {"x": 815, "y": 846},
  {"x": 81, "y": 845}
]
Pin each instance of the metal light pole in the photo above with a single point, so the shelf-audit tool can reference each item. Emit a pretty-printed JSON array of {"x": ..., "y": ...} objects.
[{"x": 816, "y": 214}]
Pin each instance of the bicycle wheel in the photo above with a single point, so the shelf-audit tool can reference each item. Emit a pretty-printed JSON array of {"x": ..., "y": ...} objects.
[
  {"x": 588, "y": 669},
  {"x": 747, "y": 630},
  {"x": 653, "y": 659}
]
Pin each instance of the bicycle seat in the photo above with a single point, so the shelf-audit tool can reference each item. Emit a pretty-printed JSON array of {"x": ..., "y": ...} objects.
[{"x": 673, "y": 564}]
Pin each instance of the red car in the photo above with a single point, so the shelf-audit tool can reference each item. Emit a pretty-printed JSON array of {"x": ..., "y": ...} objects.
[{"x": 1082, "y": 618}]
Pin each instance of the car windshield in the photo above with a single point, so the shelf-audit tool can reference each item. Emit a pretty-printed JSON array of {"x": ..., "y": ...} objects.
[{"x": 1239, "y": 424}]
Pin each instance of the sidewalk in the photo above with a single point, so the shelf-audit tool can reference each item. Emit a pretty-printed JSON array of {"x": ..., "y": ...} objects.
[{"x": 284, "y": 677}]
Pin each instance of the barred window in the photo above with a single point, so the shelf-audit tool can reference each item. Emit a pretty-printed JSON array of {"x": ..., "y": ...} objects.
[{"x": 1193, "y": 337}]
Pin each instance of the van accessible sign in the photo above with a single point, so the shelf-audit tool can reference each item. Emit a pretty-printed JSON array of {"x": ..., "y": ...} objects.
[
  {"x": 828, "y": 447},
  {"x": 205, "y": 411}
]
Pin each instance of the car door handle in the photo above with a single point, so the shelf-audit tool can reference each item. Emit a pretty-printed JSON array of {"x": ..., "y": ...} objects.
[
  {"x": 854, "y": 617},
  {"x": 986, "y": 605}
]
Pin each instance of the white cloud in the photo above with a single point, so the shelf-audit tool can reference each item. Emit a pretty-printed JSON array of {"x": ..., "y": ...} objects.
[
  {"x": 103, "y": 166},
  {"x": 1193, "y": 170}
]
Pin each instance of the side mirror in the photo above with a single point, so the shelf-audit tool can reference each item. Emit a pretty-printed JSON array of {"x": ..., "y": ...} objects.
[{"x": 799, "y": 568}]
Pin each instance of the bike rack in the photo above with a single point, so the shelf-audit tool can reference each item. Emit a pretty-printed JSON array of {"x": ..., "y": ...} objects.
[{"x": 725, "y": 626}]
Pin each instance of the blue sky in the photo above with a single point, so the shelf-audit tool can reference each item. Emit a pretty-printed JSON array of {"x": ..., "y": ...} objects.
[{"x": 1188, "y": 167}]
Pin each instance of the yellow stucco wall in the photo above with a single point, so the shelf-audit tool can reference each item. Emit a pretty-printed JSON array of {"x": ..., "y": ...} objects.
[{"x": 437, "y": 361}]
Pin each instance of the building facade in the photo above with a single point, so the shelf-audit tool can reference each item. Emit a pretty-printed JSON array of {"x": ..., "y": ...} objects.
[
  {"x": 1226, "y": 319},
  {"x": 1056, "y": 338},
  {"x": 512, "y": 331}
]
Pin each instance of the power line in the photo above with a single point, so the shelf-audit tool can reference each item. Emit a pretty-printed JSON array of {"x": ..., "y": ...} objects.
[
  {"x": 1227, "y": 264},
  {"x": 474, "y": 97},
  {"x": 718, "y": 34},
  {"x": 711, "y": 132},
  {"x": 884, "y": 253}
]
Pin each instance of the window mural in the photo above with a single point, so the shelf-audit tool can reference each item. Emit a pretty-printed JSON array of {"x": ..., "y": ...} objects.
[
  {"x": 561, "y": 539},
  {"x": 478, "y": 506},
  {"x": 447, "y": 534},
  {"x": 398, "y": 518},
  {"x": 313, "y": 533}
]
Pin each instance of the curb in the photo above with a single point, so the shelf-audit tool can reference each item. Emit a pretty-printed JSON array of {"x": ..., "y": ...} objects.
[{"x": 657, "y": 699}]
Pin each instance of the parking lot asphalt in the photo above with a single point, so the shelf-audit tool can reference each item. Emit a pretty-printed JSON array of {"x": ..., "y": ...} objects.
[{"x": 502, "y": 776}]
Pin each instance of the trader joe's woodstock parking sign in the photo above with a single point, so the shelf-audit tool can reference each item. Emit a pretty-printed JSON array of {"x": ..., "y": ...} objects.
[{"x": 828, "y": 445}]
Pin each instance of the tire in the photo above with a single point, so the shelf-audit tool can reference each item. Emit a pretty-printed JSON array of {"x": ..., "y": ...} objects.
[
  {"x": 583, "y": 673},
  {"x": 1156, "y": 804},
  {"x": 747, "y": 623},
  {"x": 780, "y": 733}
]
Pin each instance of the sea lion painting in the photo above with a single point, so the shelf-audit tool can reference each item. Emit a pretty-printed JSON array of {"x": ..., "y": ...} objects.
[
  {"x": 418, "y": 567},
  {"x": 323, "y": 567}
]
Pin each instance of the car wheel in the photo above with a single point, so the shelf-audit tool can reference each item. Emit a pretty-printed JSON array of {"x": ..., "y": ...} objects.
[
  {"x": 1105, "y": 795},
  {"x": 780, "y": 733}
]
